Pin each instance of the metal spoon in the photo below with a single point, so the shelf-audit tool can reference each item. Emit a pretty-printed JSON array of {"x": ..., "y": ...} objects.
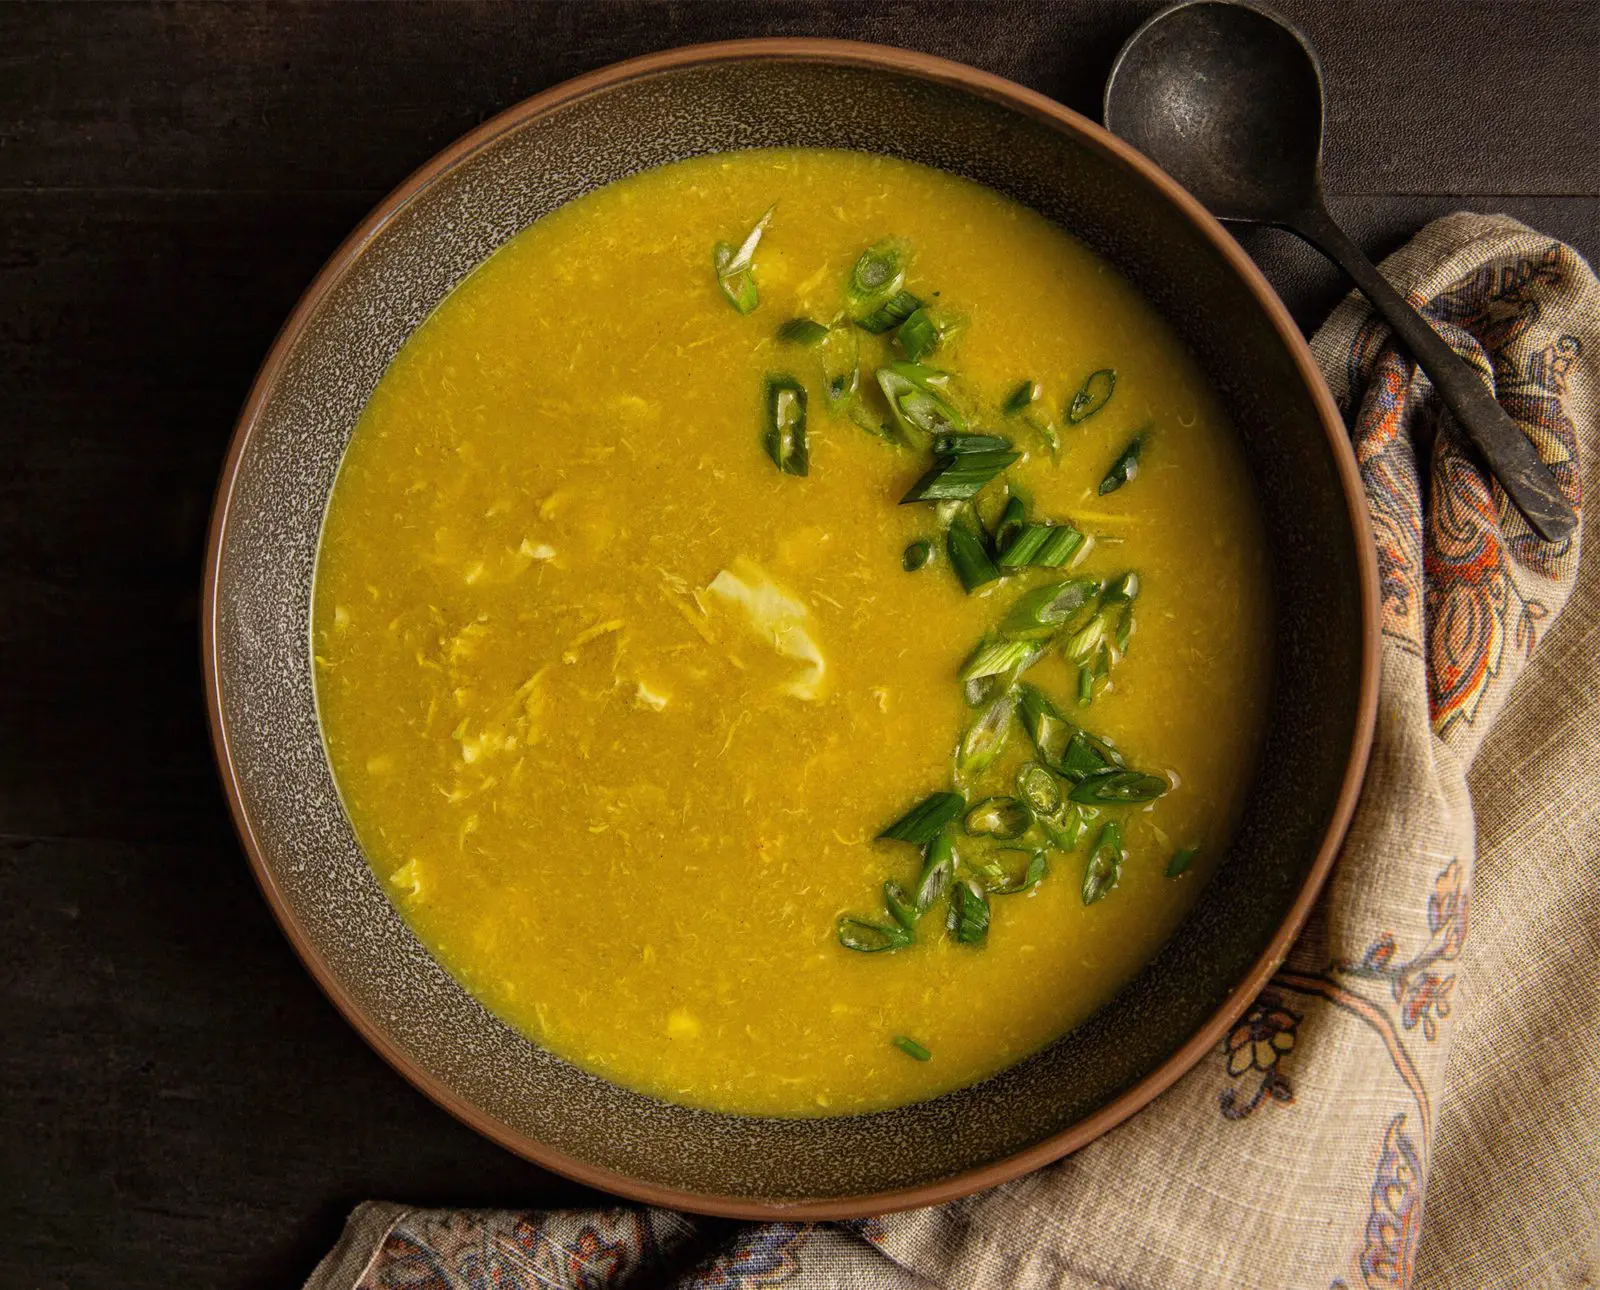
[{"x": 1227, "y": 99}]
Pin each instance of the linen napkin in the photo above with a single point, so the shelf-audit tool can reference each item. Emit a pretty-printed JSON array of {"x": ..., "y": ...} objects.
[{"x": 1394, "y": 1056}]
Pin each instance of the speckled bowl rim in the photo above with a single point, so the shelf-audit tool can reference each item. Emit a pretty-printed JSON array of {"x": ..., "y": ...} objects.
[{"x": 1021, "y": 100}]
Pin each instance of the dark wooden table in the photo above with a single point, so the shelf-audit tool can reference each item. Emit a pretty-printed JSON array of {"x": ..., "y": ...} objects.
[{"x": 179, "y": 1106}]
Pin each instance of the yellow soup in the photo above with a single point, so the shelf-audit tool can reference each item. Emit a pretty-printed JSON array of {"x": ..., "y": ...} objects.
[{"x": 617, "y": 706}]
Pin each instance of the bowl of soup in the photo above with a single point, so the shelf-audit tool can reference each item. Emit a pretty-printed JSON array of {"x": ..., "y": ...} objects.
[{"x": 790, "y": 629}]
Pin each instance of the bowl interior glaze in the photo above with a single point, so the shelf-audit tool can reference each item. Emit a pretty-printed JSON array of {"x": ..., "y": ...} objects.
[{"x": 391, "y": 275}]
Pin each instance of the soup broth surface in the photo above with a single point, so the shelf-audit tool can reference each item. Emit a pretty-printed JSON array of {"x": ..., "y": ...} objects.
[{"x": 617, "y": 708}]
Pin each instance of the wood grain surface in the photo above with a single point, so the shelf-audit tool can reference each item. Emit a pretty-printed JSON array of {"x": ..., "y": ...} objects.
[{"x": 179, "y": 1106}]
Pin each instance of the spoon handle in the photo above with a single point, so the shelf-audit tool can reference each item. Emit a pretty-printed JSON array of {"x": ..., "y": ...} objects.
[{"x": 1511, "y": 455}]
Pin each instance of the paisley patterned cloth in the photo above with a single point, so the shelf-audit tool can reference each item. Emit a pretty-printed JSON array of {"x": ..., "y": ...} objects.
[{"x": 1395, "y": 1053}]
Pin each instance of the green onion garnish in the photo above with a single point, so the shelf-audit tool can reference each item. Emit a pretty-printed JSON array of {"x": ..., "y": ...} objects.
[
  {"x": 938, "y": 871},
  {"x": 1019, "y": 401},
  {"x": 1119, "y": 787},
  {"x": 918, "y": 334},
  {"x": 879, "y": 272},
  {"x": 1091, "y": 646},
  {"x": 969, "y": 557},
  {"x": 1021, "y": 398},
  {"x": 1182, "y": 858},
  {"x": 1105, "y": 864},
  {"x": 911, "y": 1048},
  {"x": 968, "y": 920},
  {"x": 1038, "y": 788},
  {"x": 985, "y": 739},
  {"x": 958, "y": 476},
  {"x": 997, "y": 882},
  {"x": 1086, "y": 754},
  {"x": 997, "y": 817},
  {"x": 915, "y": 397},
  {"x": 734, "y": 266},
  {"x": 1045, "y": 609},
  {"x": 923, "y": 822},
  {"x": 902, "y": 908},
  {"x": 804, "y": 332},
  {"x": 916, "y": 555},
  {"x": 891, "y": 313},
  {"x": 840, "y": 355},
  {"x": 871, "y": 938},
  {"x": 1126, "y": 466},
  {"x": 1094, "y": 395},
  {"x": 1013, "y": 519},
  {"x": 1046, "y": 726},
  {"x": 784, "y": 436},
  {"x": 1047, "y": 546},
  {"x": 1123, "y": 590},
  {"x": 1088, "y": 674},
  {"x": 1066, "y": 830},
  {"x": 948, "y": 444},
  {"x": 1000, "y": 657}
]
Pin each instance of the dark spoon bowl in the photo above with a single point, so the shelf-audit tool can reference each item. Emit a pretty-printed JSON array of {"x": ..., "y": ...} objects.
[
  {"x": 1229, "y": 101},
  {"x": 386, "y": 279}
]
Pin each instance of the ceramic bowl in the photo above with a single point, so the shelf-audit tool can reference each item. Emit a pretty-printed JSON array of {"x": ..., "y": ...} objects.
[{"x": 390, "y": 275}]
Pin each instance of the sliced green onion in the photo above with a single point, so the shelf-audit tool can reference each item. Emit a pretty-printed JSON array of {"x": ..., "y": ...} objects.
[
  {"x": 1021, "y": 398},
  {"x": 1105, "y": 864},
  {"x": 1120, "y": 786},
  {"x": 958, "y": 476},
  {"x": 1126, "y": 466},
  {"x": 1017, "y": 403},
  {"x": 1045, "y": 609},
  {"x": 902, "y": 908},
  {"x": 997, "y": 882},
  {"x": 1067, "y": 830},
  {"x": 1038, "y": 788},
  {"x": 1091, "y": 646},
  {"x": 1122, "y": 591},
  {"x": 785, "y": 434},
  {"x": 1086, "y": 754},
  {"x": 980, "y": 690},
  {"x": 999, "y": 657},
  {"x": 1182, "y": 858},
  {"x": 840, "y": 355},
  {"x": 969, "y": 557},
  {"x": 1087, "y": 675},
  {"x": 915, "y": 397},
  {"x": 923, "y": 822},
  {"x": 871, "y": 938},
  {"x": 986, "y": 738},
  {"x": 891, "y": 313},
  {"x": 938, "y": 871},
  {"x": 997, "y": 817},
  {"x": 916, "y": 555},
  {"x": 878, "y": 272},
  {"x": 911, "y": 1048},
  {"x": 918, "y": 334},
  {"x": 1094, "y": 395},
  {"x": 1087, "y": 641},
  {"x": 968, "y": 920},
  {"x": 948, "y": 444},
  {"x": 805, "y": 332},
  {"x": 734, "y": 266},
  {"x": 1013, "y": 519},
  {"x": 1050, "y": 731},
  {"x": 1046, "y": 546},
  {"x": 1047, "y": 432}
]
